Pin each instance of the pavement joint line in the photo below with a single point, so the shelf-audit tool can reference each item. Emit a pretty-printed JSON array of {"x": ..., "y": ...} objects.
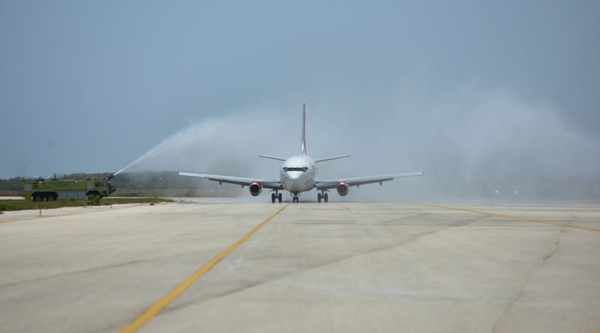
[
  {"x": 153, "y": 310},
  {"x": 67, "y": 214},
  {"x": 556, "y": 224}
]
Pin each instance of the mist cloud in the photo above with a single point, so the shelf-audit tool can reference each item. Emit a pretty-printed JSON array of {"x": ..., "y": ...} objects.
[{"x": 472, "y": 144}]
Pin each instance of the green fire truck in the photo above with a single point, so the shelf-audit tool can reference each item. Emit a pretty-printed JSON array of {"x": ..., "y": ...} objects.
[{"x": 59, "y": 188}]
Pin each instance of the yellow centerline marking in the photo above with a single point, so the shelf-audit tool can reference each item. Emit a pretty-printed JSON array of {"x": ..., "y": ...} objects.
[
  {"x": 163, "y": 302},
  {"x": 556, "y": 224}
]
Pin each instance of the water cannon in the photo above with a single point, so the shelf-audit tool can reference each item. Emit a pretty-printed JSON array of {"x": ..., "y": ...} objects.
[{"x": 110, "y": 176}]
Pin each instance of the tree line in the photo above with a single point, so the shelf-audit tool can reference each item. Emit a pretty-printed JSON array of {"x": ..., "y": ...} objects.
[{"x": 148, "y": 180}]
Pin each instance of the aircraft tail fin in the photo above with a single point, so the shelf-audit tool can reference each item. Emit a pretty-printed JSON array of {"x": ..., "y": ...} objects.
[{"x": 303, "y": 153}]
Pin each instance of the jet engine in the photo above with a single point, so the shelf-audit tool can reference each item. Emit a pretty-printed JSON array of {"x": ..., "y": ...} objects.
[
  {"x": 255, "y": 189},
  {"x": 343, "y": 189}
]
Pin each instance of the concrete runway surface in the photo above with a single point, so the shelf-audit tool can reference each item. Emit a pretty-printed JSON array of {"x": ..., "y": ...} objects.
[{"x": 343, "y": 267}]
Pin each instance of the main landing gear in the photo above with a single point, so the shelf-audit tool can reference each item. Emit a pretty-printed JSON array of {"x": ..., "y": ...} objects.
[
  {"x": 276, "y": 196},
  {"x": 323, "y": 196}
]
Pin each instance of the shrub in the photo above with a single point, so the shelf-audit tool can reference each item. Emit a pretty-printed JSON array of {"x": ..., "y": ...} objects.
[
  {"x": 6, "y": 207},
  {"x": 93, "y": 200}
]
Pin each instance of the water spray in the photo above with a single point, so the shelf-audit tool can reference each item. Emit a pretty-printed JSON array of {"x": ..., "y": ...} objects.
[
  {"x": 189, "y": 135},
  {"x": 134, "y": 162}
]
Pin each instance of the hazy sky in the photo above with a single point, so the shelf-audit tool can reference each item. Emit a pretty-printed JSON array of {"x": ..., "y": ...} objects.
[{"x": 90, "y": 86}]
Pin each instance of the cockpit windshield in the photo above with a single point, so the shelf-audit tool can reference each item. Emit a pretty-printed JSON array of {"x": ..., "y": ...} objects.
[{"x": 303, "y": 169}]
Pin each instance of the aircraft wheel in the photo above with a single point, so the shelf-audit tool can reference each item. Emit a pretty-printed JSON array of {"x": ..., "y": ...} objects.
[
  {"x": 280, "y": 197},
  {"x": 319, "y": 197},
  {"x": 326, "y": 197},
  {"x": 273, "y": 197}
]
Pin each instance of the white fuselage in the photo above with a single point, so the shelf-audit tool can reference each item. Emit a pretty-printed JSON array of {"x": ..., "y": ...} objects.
[{"x": 298, "y": 174}]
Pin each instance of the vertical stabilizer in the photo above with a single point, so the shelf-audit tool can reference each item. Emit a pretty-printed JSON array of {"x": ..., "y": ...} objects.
[{"x": 303, "y": 153}]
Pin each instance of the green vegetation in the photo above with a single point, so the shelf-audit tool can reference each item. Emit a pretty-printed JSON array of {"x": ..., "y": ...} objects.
[
  {"x": 93, "y": 200},
  {"x": 147, "y": 184},
  {"x": 6, "y": 205},
  {"x": 139, "y": 187}
]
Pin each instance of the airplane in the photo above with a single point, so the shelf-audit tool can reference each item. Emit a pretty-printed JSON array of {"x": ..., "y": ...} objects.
[{"x": 299, "y": 174}]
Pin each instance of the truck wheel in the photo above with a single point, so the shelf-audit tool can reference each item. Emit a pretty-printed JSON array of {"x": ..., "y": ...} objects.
[
  {"x": 37, "y": 197},
  {"x": 51, "y": 198}
]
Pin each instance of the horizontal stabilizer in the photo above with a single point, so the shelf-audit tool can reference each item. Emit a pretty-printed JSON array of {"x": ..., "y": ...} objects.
[
  {"x": 273, "y": 158},
  {"x": 331, "y": 158}
]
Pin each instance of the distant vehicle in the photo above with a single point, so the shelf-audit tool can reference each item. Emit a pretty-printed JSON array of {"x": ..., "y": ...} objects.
[
  {"x": 59, "y": 188},
  {"x": 298, "y": 174}
]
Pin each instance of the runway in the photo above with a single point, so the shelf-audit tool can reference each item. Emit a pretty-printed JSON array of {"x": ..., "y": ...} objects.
[{"x": 342, "y": 267}]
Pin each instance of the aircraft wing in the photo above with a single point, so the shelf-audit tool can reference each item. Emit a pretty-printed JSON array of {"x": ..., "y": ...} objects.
[
  {"x": 272, "y": 184},
  {"x": 324, "y": 184}
]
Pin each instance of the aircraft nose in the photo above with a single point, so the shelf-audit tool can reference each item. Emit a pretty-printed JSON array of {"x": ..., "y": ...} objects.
[
  {"x": 294, "y": 175},
  {"x": 293, "y": 181}
]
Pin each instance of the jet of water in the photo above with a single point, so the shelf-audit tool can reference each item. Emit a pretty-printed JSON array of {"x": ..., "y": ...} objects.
[
  {"x": 132, "y": 163},
  {"x": 189, "y": 135}
]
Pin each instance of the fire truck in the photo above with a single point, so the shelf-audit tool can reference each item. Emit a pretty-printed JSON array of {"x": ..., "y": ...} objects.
[{"x": 59, "y": 188}]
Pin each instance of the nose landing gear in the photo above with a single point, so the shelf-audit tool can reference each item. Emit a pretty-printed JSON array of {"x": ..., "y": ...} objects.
[
  {"x": 295, "y": 198},
  {"x": 323, "y": 196}
]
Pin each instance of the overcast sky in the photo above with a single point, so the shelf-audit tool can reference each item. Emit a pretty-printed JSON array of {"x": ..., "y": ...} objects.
[{"x": 90, "y": 86}]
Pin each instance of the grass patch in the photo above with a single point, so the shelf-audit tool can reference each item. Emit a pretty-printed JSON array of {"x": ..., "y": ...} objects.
[
  {"x": 8, "y": 205},
  {"x": 121, "y": 196}
]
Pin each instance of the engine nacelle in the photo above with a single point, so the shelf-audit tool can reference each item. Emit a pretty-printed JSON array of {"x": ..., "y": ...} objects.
[
  {"x": 255, "y": 189},
  {"x": 343, "y": 189}
]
